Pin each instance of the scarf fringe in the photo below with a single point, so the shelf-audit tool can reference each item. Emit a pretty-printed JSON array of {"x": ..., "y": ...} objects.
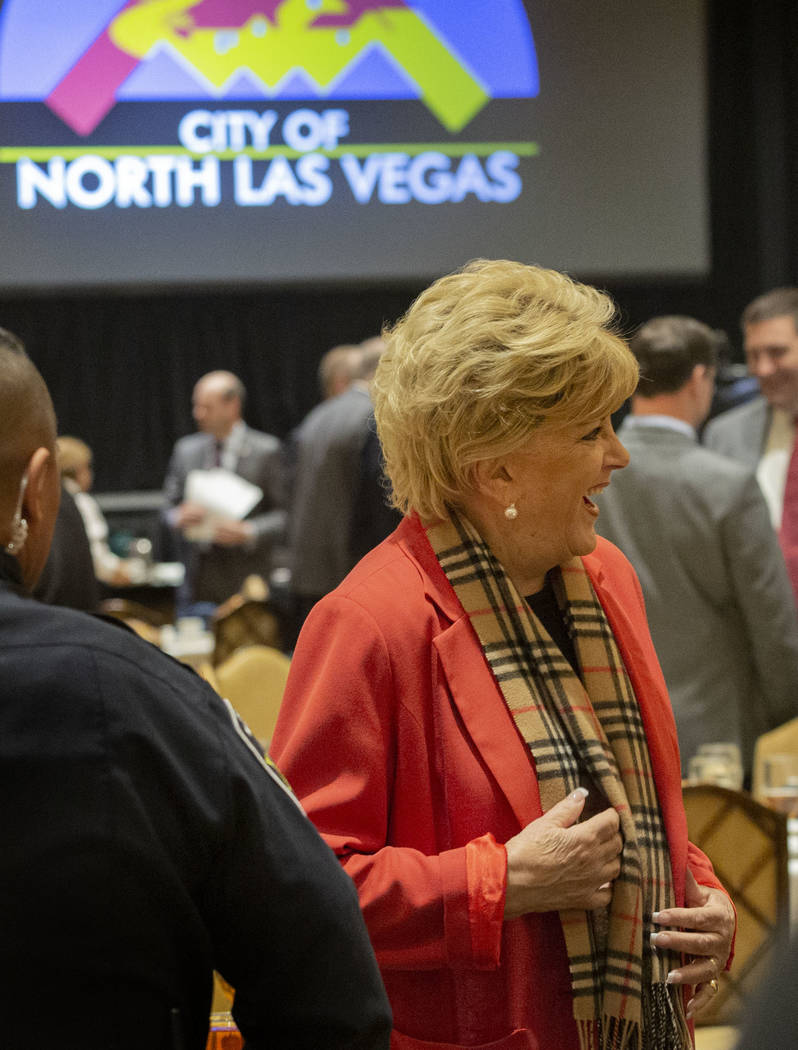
[
  {"x": 666, "y": 1025},
  {"x": 609, "y": 1033}
]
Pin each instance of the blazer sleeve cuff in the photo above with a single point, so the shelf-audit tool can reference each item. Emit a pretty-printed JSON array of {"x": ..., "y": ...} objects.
[{"x": 474, "y": 925}]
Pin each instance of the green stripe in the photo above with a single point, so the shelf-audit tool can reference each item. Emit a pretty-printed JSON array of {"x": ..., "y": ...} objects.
[{"x": 11, "y": 154}]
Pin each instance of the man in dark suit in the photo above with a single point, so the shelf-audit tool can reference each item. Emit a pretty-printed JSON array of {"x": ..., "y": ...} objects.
[
  {"x": 762, "y": 432},
  {"x": 695, "y": 526},
  {"x": 216, "y": 568}
]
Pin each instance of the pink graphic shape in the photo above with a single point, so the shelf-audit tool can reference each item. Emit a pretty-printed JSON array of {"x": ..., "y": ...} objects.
[
  {"x": 88, "y": 91},
  {"x": 231, "y": 14}
]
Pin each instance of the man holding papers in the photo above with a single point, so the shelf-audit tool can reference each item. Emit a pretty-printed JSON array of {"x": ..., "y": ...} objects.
[{"x": 223, "y": 493}]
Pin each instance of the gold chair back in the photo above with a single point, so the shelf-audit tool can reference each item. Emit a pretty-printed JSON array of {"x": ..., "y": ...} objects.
[
  {"x": 145, "y": 622},
  {"x": 747, "y": 844},
  {"x": 244, "y": 621},
  {"x": 127, "y": 609},
  {"x": 206, "y": 671},
  {"x": 253, "y": 680}
]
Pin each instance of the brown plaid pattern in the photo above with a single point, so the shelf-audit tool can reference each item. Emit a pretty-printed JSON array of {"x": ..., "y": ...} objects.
[{"x": 592, "y": 724}]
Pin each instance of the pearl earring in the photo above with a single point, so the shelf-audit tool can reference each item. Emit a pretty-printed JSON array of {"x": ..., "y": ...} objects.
[{"x": 511, "y": 512}]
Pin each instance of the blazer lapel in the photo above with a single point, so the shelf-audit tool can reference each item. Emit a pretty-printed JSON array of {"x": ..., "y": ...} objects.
[
  {"x": 487, "y": 720},
  {"x": 472, "y": 686}
]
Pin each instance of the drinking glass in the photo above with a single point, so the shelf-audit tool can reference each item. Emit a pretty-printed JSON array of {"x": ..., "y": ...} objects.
[
  {"x": 717, "y": 763},
  {"x": 780, "y": 782}
]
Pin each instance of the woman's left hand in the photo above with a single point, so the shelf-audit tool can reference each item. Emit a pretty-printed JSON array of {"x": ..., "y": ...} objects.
[{"x": 707, "y": 924}]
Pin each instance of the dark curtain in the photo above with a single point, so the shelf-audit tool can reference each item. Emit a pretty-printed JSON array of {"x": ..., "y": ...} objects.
[{"x": 121, "y": 366}]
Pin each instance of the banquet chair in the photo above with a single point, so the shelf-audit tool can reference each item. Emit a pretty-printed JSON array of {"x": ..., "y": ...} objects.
[
  {"x": 242, "y": 621},
  {"x": 782, "y": 739},
  {"x": 253, "y": 680},
  {"x": 207, "y": 671},
  {"x": 145, "y": 622},
  {"x": 747, "y": 844},
  {"x": 126, "y": 609}
]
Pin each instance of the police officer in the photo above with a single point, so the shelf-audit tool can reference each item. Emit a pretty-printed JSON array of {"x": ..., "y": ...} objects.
[{"x": 146, "y": 841}]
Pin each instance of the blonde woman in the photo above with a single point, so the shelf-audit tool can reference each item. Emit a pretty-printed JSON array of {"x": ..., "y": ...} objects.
[{"x": 475, "y": 718}]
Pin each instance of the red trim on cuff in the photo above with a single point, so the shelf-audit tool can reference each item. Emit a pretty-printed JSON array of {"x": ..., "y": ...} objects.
[{"x": 486, "y": 871}]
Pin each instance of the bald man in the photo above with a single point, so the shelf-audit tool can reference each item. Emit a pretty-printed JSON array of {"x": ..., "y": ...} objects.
[
  {"x": 146, "y": 841},
  {"x": 216, "y": 569}
]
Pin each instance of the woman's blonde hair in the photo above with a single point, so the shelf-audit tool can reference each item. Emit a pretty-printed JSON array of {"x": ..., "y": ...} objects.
[
  {"x": 72, "y": 455},
  {"x": 482, "y": 358}
]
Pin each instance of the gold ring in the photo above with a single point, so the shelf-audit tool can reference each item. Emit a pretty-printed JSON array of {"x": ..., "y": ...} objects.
[{"x": 713, "y": 984}]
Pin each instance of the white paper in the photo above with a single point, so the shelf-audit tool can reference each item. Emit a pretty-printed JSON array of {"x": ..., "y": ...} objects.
[
  {"x": 224, "y": 495},
  {"x": 166, "y": 573}
]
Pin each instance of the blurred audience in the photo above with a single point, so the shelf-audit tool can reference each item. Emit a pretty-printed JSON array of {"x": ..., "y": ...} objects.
[
  {"x": 75, "y": 464},
  {"x": 734, "y": 384},
  {"x": 338, "y": 368},
  {"x": 216, "y": 567},
  {"x": 762, "y": 432},
  {"x": 373, "y": 516},
  {"x": 68, "y": 574},
  {"x": 330, "y": 494},
  {"x": 695, "y": 526}
]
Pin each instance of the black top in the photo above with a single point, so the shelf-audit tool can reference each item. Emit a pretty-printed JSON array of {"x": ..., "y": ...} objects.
[
  {"x": 145, "y": 843},
  {"x": 544, "y": 606}
]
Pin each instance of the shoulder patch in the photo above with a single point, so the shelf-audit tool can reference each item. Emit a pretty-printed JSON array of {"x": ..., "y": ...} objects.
[{"x": 249, "y": 740}]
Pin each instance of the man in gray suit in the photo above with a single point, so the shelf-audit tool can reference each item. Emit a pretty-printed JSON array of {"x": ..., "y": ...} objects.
[
  {"x": 762, "y": 433},
  {"x": 328, "y": 449},
  {"x": 216, "y": 569},
  {"x": 695, "y": 526}
]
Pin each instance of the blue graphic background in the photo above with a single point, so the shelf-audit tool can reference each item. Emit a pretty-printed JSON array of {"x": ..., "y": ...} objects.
[{"x": 40, "y": 40}]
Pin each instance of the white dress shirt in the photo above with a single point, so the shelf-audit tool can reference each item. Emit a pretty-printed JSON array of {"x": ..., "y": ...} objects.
[{"x": 771, "y": 473}]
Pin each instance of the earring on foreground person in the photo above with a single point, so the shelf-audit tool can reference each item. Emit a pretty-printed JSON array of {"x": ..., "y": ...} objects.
[{"x": 19, "y": 525}]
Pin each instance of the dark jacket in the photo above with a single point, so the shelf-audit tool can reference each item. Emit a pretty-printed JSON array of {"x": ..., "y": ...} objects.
[{"x": 145, "y": 843}]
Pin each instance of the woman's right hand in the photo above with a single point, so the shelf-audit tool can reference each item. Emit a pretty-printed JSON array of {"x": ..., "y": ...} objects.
[{"x": 555, "y": 864}]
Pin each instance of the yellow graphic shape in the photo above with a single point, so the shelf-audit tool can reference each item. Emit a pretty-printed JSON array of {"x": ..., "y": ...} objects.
[{"x": 272, "y": 49}]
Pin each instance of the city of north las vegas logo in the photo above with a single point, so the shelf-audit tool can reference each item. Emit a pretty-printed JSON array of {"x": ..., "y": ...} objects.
[{"x": 234, "y": 56}]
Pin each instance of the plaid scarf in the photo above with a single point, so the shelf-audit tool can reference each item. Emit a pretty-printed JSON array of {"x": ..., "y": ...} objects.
[{"x": 621, "y": 1001}]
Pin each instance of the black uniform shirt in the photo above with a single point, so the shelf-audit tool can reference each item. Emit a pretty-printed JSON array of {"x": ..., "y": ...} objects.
[{"x": 145, "y": 843}]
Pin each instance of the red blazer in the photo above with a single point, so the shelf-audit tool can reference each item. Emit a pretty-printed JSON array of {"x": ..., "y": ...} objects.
[{"x": 395, "y": 737}]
